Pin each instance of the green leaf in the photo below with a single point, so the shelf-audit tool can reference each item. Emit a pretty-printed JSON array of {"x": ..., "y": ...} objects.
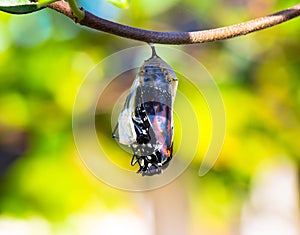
[
  {"x": 22, "y": 6},
  {"x": 120, "y": 3},
  {"x": 18, "y": 6}
]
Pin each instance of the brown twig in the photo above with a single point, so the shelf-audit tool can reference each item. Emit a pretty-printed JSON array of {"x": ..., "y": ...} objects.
[{"x": 201, "y": 36}]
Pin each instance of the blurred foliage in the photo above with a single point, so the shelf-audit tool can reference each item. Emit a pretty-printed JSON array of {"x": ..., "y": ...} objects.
[
  {"x": 44, "y": 57},
  {"x": 119, "y": 3}
]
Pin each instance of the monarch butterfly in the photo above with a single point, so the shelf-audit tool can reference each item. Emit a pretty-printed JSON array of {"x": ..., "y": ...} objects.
[{"x": 146, "y": 120}]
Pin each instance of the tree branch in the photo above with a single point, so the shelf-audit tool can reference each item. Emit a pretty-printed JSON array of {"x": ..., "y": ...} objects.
[{"x": 201, "y": 36}]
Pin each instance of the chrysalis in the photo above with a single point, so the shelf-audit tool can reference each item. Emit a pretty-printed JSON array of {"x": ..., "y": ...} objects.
[{"x": 146, "y": 120}]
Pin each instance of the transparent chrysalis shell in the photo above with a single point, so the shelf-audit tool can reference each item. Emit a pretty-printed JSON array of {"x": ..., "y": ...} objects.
[{"x": 146, "y": 120}]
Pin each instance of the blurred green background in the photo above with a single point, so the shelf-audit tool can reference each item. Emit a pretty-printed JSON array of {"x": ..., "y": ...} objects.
[{"x": 253, "y": 187}]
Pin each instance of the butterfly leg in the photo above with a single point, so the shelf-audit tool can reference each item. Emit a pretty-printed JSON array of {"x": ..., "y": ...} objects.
[{"x": 114, "y": 135}]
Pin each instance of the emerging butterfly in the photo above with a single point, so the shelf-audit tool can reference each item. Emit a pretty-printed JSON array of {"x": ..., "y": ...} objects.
[{"x": 146, "y": 120}]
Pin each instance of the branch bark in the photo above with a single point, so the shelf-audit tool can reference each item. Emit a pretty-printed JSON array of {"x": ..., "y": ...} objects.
[{"x": 200, "y": 36}]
